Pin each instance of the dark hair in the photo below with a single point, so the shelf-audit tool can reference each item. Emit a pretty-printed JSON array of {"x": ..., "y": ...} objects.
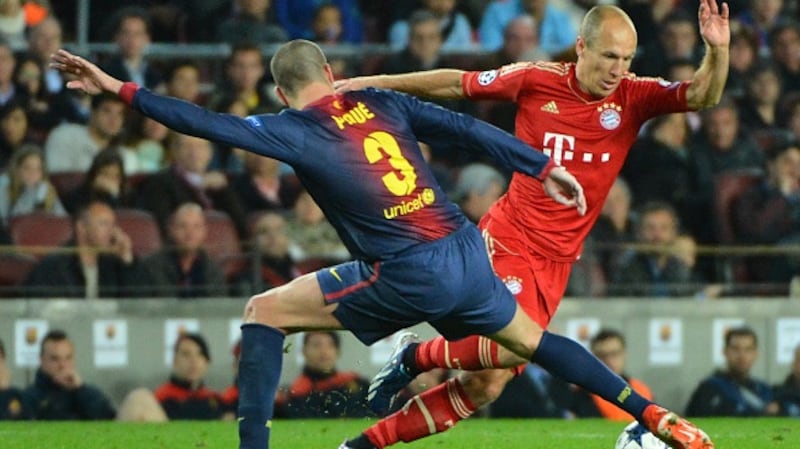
[
  {"x": 742, "y": 331},
  {"x": 657, "y": 206},
  {"x": 2, "y": 349},
  {"x": 780, "y": 28},
  {"x": 132, "y": 12},
  {"x": 243, "y": 47},
  {"x": 198, "y": 339},
  {"x": 105, "y": 97},
  {"x": 607, "y": 334},
  {"x": 334, "y": 336},
  {"x": 53, "y": 335},
  {"x": 173, "y": 68},
  {"x": 777, "y": 150},
  {"x": 106, "y": 157}
]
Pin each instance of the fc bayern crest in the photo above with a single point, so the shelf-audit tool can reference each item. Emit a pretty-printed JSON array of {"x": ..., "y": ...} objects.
[
  {"x": 513, "y": 284},
  {"x": 610, "y": 119},
  {"x": 485, "y": 78}
]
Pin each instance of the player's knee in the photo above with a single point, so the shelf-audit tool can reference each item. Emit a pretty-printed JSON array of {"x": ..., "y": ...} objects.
[{"x": 262, "y": 309}]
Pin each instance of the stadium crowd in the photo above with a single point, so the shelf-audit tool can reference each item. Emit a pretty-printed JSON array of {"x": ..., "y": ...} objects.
[{"x": 689, "y": 189}]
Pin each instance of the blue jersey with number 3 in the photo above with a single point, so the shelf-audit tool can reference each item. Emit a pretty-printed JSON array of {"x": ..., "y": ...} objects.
[{"x": 357, "y": 154}]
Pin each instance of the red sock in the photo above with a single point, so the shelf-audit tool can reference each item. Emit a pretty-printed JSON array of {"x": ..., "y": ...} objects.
[
  {"x": 428, "y": 413},
  {"x": 471, "y": 353}
]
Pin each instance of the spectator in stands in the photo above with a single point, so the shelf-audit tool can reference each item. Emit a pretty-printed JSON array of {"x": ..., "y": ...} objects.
[
  {"x": 477, "y": 188},
  {"x": 13, "y": 131},
  {"x": 250, "y": 23},
  {"x": 184, "y": 269},
  {"x": 25, "y": 188},
  {"x": 12, "y": 22},
  {"x": 203, "y": 16},
  {"x": 758, "y": 110},
  {"x": 556, "y": 30},
  {"x": 72, "y": 147},
  {"x": 423, "y": 52},
  {"x": 295, "y": 17},
  {"x": 182, "y": 80},
  {"x": 769, "y": 214},
  {"x": 326, "y": 27},
  {"x": 132, "y": 37},
  {"x": 721, "y": 145},
  {"x": 105, "y": 179},
  {"x": 143, "y": 142},
  {"x": 608, "y": 345},
  {"x": 262, "y": 187},
  {"x": 787, "y": 394},
  {"x": 545, "y": 396},
  {"x": 314, "y": 236},
  {"x": 677, "y": 39},
  {"x": 321, "y": 391},
  {"x": 657, "y": 167},
  {"x": 58, "y": 391},
  {"x": 29, "y": 78},
  {"x": 520, "y": 43},
  {"x": 244, "y": 70},
  {"x": 733, "y": 391},
  {"x": 762, "y": 16},
  {"x": 784, "y": 42},
  {"x": 8, "y": 63},
  {"x": 655, "y": 271},
  {"x": 275, "y": 265},
  {"x": 744, "y": 56},
  {"x": 45, "y": 39},
  {"x": 454, "y": 25},
  {"x": 12, "y": 404},
  {"x": 87, "y": 272},
  {"x": 226, "y": 159},
  {"x": 184, "y": 396},
  {"x": 614, "y": 227},
  {"x": 188, "y": 180}
]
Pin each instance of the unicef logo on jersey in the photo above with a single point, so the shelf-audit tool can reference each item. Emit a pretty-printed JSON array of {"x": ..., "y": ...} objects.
[
  {"x": 610, "y": 119},
  {"x": 485, "y": 78}
]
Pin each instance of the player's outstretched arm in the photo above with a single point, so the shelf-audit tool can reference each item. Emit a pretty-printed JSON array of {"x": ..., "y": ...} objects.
[
  {"x": 561, "y": 186},
  {"x": 441, "y": 83},
  {"x": 709, "y": 80},
  {"x": 90, "y": 78}
]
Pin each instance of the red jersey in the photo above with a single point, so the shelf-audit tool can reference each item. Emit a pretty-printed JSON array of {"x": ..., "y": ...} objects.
[{"x": 590, "y": 137}]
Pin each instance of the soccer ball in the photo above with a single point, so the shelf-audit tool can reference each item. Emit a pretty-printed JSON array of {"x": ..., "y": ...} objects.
[{"x": 636, "y": 436}]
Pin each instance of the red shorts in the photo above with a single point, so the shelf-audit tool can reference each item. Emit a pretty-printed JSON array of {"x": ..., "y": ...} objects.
[{"x": 538, "y": 283}]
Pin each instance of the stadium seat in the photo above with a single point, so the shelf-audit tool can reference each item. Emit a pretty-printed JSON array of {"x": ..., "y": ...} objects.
[
  {"x": 222, "y": 243},
  {"x": 41, "y": 230},
  {"x": 14, "y": 268},
  {"x": 142, "y": 228},
  {"x": 66, "y": 182}
]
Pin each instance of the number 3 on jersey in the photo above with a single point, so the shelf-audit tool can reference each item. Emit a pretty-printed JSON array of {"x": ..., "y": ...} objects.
[{"x": 380, "y": 144}]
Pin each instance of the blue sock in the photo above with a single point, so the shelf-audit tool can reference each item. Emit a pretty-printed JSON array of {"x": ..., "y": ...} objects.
[
  {"x": 259, "y": 372},
  {"x": 570, "y": 361}
]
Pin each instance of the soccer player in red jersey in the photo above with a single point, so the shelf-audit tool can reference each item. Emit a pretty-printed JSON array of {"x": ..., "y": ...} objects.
[{"x": 586, "y": 116}]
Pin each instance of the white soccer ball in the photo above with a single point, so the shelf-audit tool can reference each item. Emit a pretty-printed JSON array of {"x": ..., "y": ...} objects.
[{"x": 636, "y": 436}]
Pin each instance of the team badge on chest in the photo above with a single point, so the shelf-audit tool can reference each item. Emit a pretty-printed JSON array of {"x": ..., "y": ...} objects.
[{"x": 610, "y": 117}]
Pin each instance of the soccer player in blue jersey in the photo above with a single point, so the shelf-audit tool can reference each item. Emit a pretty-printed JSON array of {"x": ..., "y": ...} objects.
[{"x": 418, "y": 257}]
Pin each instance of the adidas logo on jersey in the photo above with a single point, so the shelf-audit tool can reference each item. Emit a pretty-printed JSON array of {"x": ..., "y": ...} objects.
[{"x": 550, "y": 107}]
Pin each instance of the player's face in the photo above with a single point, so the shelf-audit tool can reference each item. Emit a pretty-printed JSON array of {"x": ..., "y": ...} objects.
[
  {"x": 189, "y": 363},
  {"x": 740, "y": 354},
  {"x": 57, "y": 357},
  {"x": 603, "y": 62},
  {"x": 321, "y": 352}
]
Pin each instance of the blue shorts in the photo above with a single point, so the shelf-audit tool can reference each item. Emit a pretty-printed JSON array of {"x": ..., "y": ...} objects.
[{"x": 449, "y": 283}]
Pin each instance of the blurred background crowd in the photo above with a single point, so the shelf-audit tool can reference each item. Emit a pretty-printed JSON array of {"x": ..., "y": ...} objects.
[{"x": 707, "y": 205}]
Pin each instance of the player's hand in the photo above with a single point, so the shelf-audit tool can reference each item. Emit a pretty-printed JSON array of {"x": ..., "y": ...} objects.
[
  {"x": 561, "y": 186},
  {"x": 356, "y": 83},
  {"x": 90, "y": 78},
  {"x": 714, "y": 25}
]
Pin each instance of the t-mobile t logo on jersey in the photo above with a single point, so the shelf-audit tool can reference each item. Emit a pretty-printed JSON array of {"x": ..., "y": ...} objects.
[{"x": 563, "y": 149}]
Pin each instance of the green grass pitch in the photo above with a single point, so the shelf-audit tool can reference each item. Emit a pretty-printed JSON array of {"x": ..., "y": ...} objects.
[{"x": 760, "y": 433}]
